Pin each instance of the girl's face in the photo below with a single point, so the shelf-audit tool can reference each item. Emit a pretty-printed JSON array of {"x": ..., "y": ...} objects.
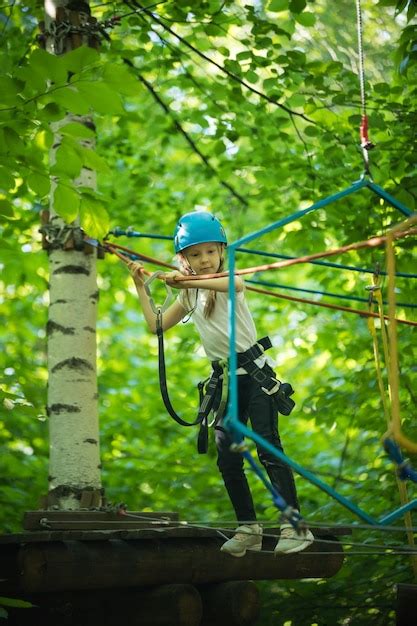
[{"x": 204, "y": 258}]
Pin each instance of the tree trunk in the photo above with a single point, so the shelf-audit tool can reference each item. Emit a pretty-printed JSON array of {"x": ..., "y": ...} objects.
[{"x": 72, "y": 404}]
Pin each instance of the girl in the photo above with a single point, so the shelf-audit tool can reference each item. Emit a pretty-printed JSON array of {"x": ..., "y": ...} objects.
[{"x": 200, "y": 243}]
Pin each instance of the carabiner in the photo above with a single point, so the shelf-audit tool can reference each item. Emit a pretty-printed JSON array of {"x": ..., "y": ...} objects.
[{"x": 158, "y": 309}]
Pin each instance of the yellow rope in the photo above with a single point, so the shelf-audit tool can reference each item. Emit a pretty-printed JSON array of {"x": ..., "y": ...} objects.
[
  {"x": 390, "y": 347},
  {"x": 393, "y": 369}
]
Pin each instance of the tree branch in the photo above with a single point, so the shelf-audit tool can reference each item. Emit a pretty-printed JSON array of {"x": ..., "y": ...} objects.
[{"x": 186, "y": 136}]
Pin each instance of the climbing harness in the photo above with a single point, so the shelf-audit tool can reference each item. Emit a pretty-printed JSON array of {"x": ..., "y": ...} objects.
[
  {"x": 213, "y": 392},
  {"x": 207, "y": 389}
]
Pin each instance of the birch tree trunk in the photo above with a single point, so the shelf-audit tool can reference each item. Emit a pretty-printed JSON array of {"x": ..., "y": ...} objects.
[{"x": 72, "y": 404}]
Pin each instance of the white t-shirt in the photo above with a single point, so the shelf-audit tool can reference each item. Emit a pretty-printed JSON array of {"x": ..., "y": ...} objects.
[{"x": 214, "y": 331}]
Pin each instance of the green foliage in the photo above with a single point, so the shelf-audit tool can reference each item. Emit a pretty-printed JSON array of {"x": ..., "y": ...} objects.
[{"x": 253, "y": 112}]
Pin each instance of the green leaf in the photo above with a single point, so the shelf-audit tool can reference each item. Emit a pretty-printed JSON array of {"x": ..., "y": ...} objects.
[
  {"x": 67, "y": 161},
  {"x": 70, "y": 99},
  {"x": 80, "y": 58},
  {"x": 77, "y": 129},
  {"x": 94, "y": 217},
  {"x": 21, "y": 604},
  {"x": 52, "y": 112},
  {"x": 94, "y": 161},
  {"x": 277, "y": 5},
  {"x": 121, "y": 78},
  {"x": 13, "y": 142},
  {"x": 66, "y": 202},
  {"x": 6, "y": 209},
  {"x": 296, "y": 6},
  {"x": 306, "y": 19},
  {"x": 7, "y": 180},
  {"x": 9, "y": 89},
  {"x": 50, "y": 66},
  {"x": 101, "y": 97},
  {"x": 311, "y": 131},
  {"x": 39, "y": 184}
]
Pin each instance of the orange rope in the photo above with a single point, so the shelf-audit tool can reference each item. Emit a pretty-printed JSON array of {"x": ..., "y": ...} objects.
[
  {"x": 328, "y": 306},
  {"x": 369, "y": 243},
  {"x": 374, "y": 241}
]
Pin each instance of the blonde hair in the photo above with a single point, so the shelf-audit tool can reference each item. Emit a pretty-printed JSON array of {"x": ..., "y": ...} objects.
[{"x": 211, "y": 298}]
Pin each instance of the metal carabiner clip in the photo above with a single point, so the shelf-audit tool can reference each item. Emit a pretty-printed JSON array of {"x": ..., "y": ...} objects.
[{"x": 158, "y": 309}]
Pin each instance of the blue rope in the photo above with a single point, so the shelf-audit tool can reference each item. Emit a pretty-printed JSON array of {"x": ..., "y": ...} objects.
[
  {"x": 231, "y": 421},
  {"x": 325, "y": 263},
  {"x": 276, "y": 496},
  {"x": 404, "y": 469},
  {"x": 289, "y": 513},
  {"x": 119, "y": 232},
  {"x": 323, "y": 293}
]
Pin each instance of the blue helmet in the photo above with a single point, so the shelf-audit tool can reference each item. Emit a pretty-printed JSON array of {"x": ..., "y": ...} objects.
[{"x": 198, "y": 227}]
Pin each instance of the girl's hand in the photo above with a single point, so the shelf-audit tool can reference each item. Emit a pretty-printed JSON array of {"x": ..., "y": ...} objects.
[
  {"x": 171, "y": 279},
  {"x": 136, "y": 269}
]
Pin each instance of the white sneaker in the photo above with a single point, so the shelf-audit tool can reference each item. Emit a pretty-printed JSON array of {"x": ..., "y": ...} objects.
[
  {"x": 291, "y": 540},
  {"x": 247, "y": 537}
]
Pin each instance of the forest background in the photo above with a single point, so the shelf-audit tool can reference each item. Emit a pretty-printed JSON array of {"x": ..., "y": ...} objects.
[{"x": 250, "y": 110}]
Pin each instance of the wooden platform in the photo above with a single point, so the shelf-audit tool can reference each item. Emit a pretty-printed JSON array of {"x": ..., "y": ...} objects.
[
  {"x": 70, "y": 554},
  {"x": 83, "y": 567}
]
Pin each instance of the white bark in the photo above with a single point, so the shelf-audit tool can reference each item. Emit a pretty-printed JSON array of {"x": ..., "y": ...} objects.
[
  {"x": 72, "y": 387},
  {"x": 74, "y": 454}
]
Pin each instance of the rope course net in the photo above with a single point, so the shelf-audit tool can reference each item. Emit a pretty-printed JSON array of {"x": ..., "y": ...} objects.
[{"x": 404, "y": 230}]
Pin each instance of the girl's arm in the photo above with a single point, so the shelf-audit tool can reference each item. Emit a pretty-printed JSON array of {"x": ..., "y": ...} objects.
[
  {"x": 172, "y": 316},
  {"x": 216, "y": 284}
]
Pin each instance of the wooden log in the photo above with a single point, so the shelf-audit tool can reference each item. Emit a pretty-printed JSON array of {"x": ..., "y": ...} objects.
[
  {"x": 234, "y": 603},
  {"x": 81, "y": 565},
  {"x": 406, "y": 610},
  {"x": 167, "y": 605}
]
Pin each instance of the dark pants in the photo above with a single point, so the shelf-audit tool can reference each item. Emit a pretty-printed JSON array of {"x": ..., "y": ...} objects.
[{"x": 256, "y": 405}]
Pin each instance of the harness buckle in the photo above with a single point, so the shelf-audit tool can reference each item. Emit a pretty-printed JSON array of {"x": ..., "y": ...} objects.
[{"x": 275, "y": 388}]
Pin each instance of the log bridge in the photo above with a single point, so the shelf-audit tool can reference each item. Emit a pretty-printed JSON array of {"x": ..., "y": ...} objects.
[{"x": 84, "y": 567}]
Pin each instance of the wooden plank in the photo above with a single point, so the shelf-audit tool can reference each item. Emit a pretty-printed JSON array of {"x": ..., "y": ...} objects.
[{"x": 81, "y": 565}]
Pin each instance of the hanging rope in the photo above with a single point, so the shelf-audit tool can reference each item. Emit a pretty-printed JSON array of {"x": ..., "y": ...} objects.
[
  {"x": 393, "y": 370},
  {"x": 366, "y": 144},
  {"x": 376, "y": 295}
]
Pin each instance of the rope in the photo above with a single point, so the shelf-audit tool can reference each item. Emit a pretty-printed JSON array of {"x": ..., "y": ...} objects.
[
  {"x": 402, "y": 487},
  {"x": 393, "y": 370},
  {"x": 130, "y": 232},
  {"x": 324, "y": 293},
  {"x": 366, "y": 144},
  {"x": 112, "y": 248},
  {"x": 328, "y": 306},
  {"x": 368, "y": 243}
]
